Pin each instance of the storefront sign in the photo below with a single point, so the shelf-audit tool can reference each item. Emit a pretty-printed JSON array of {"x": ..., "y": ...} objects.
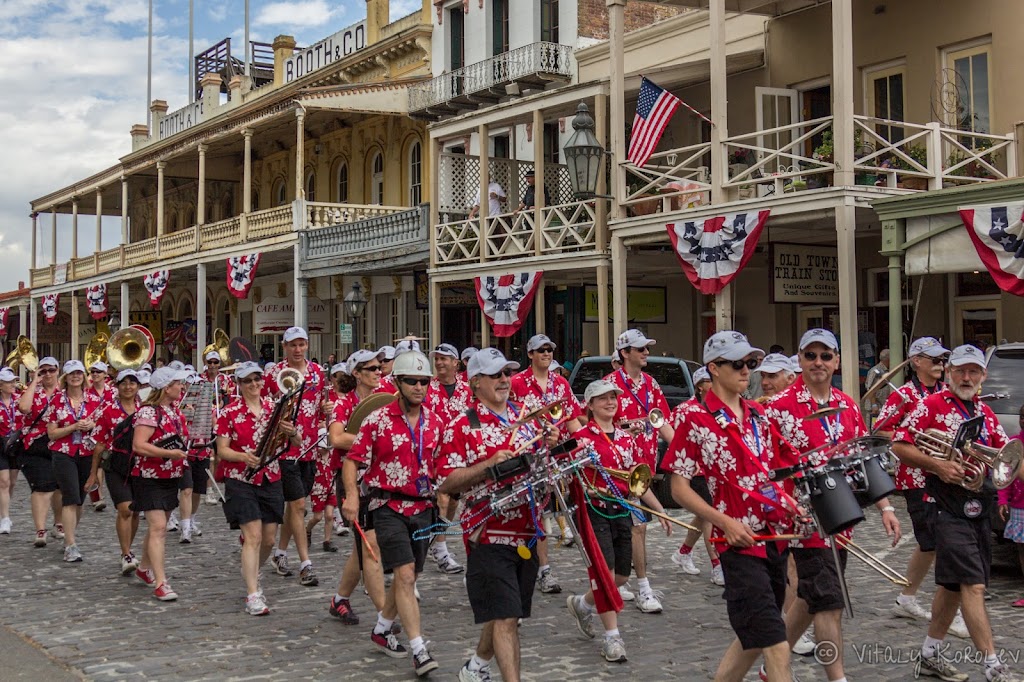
[
  {"x": 275, "y": 315},
  {"x": 58, "y": 332},
  {"x": 804, "y": 273},
  {"x": 326, "y": 52},
  {"x": 60, "y": 273},
  {"x": 644, "y": 305},
  {"x": 180, "y": 120},
  {"x": 459, "y": 294},
  {"x": 344, "y": 333},
  {"x": 153, "y": 320}
]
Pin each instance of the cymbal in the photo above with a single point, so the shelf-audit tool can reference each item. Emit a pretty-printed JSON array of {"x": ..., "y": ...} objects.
[
  {"x": 411, "y": 338},
  {"x": 824, "y": 413},
  {"x": 883, "y": 381}
]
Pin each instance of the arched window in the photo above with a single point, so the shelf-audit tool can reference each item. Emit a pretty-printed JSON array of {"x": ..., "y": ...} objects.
[
  {"x": 310, "y": 186},
  {"x": 190, "y": 217},
  {"x": 255, "y": 198},
  {"x": 171, "y": 224},
  {"x": 415, "y": 174},
  {"x": 377, "y": 180},
  {"x": 342, "y": 184},
  {"x": 280, "y": 197}
]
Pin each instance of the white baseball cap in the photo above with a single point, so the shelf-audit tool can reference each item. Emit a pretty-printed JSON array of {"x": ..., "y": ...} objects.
[
  {"x": 967, "y": 355},
  {"x": 700, "y": 374},
  {"x": 469, "y": 352},
  {"x": 73, "y": 366},
  {"x": 489, "y": 361},
  {"x": 728, "y": 345},
  {"x": 246, "y": 368},
  {"x": 539, "y": 341},
  {"x": 822, "y": 336},
  {"x": 144, "y": 375},
  {"x": 50, "y": 361},
  {"x": 165, "y": 376},
  {"x": 127, "y": 374},
  {"x": 339, "y": 367},
  {"x": 388, "y": 351},
  {"x": 445, "y": 349},
  {"x": 406, "y": 345},
  {"x": 7, "y": 374},
  {"x": 776, "y": 362},
  {"x": 100, "y": 365},
  {"x": 795, "y": 361},
  {"x": 212, "y": 355},
  {"x": 599, "y": 388},
  {"x": 362, "y": 355},
  {"x": 927, "y": 345},
  {"x": 293, "y": 333},
  {"x": 633, "y": 338},
  {"x": 177, "y": 365}
]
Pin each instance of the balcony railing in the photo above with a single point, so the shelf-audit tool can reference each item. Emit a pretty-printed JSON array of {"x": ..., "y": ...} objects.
[
  {"x": 459, "y": 182},
  {"x": 178, "y": 243},
  {"x": 674, "y": 179},
  {"x": 221, "y": 233},
  {"x": 270, "y": 222},
  {"x": 403, "y": 228},
  {"x": 319, "y": 214}
]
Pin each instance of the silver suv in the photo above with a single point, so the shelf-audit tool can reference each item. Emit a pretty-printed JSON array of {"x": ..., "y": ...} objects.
[{"x": 1004, "y": 388}]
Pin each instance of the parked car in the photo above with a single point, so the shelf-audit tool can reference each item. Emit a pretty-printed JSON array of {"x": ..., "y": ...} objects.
[
  {"x": 672, "y": 374},
  {"x": 1004, "y": 387}
]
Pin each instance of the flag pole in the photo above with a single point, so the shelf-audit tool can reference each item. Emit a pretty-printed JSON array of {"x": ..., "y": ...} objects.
[
  {"x": 191, "y": 51},
  {"x": 248, "y": 49},
  {"x": 149, "y": 71}
]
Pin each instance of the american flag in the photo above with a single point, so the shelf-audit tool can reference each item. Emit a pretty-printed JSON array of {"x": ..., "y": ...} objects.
[{"x": 654, "y": 109}]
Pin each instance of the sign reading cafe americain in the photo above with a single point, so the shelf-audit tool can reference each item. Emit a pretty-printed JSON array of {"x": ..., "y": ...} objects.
[
  {"x": 327, "y": 51},
  {"x": 804, "y": 273}
]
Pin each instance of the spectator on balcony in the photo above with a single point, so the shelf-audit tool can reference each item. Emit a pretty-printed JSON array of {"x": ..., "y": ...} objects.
[
  {"x": 496, "y": 197},
  {"x": 529, "y": 199}
]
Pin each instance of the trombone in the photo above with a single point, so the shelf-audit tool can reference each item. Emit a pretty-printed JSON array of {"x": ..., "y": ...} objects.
[
  {"x": 638, "y": 479},
  {"x": 655, "y": 419},
  {"x": 886, "y": 571}
]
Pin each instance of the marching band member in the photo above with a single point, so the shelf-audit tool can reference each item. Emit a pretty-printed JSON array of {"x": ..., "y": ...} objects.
[
  {"x": 467, "y": 353},
  {"x": 729, "y": 439},
  {"x": 323, "y": 498},
  {"x": 819, "y": 590},
  {"x": 777, "y": 374},
  {"x": 388, "y": 355},
  {"x": 501, "y": 570},
  {"x": 396, "y": 445},
  {"x": 71, "y": 418},
  {"x": 99, "y": 386},
  {"x": 298, "y": 470},
  {"x": 611, "y": 521},
  {"x": 342, "y": 383},
  {"x": 37, "y": 462},
  {"x": 10, "y": 420},
  {"x": 447, "y": 397},
  {"x": 641, "y": 394},
  {"x": 157, "y": 471},
  {"x": 226, "y": 389},
  {"x": 962, "y": 526},
  {"x": 255, "y": 505},
  {"x": 113, "y": 434},
  {"x": 927, "y": 359}
]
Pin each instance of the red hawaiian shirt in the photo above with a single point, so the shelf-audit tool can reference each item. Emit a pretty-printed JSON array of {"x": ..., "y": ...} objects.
[
  {"x": 678, "y": 419},
  {"x": 710, "y": 443},
  {"x": 33, "y": 424},
  {"x": 244, "y": 430},
  {"x": 107, "y": 418},
  {"x": 526, "y": 389},
  {"x": 398, "y": 457},
  {"x": 323, "y": 492},
  {"x": 168, "y": 422},
  {"x": 786, "y": 411},
  {"x": 893, "y": 413},
  {"x": 10, "y": 417},
  {"x": 107, "y": 395},
  {"x": 617, "y": 451},
  {"x": 447, "y": 409},
  {"x": 308, "y": 420},
  {"x": 387, "y": 385},
  {"x": 62, "y": 414},
  {"x": 635, "y": 402},
  {"x": 226, "y": 390}
]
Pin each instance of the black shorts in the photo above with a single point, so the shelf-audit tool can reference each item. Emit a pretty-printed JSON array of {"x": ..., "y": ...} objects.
[
  {"x": 245, "y": 502},
  {"x": 5, "y": 460},
  {"x": 754, "y": 591},
  {"x": 38, "y": 470},
  {"x": 154, "y": 494},
  {"x": 297, "y": 479},
  {"x": 119, "y": 487},
  {"x": 500, "y": 582},
  {"x": 922, "y": 518},
  {"x": 394, "y": 537},
  {"x": 615, "y": 536},
  {"x": 963, "y": 550},
  {"x": 185, "y": 482},
  {"x": 71, "y": 474},
  {"x": 818, "y": 582},
  {"x": 200, "y": 475},
  {"x": 699, "y": 485}
]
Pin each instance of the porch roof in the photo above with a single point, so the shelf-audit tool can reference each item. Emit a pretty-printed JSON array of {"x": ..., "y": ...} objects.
[
  {"x": 772, "y": 8},
  {"x": 948, "y": 200}
]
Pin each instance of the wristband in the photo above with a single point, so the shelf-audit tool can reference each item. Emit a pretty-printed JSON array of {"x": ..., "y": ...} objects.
[{"x": 888, "y": 508}]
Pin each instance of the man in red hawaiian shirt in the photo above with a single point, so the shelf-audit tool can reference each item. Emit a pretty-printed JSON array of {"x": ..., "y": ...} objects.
[
  {"x": 963, "y": 532},
  {"x": 640, "y": 395},
  {"x": 735, "y": 446},
  {"x": 397, "y": 446},
  {"x": 298, "y": 468},
  {"x": 225, "y": 384},
  {"x": 819, "y": 590}
]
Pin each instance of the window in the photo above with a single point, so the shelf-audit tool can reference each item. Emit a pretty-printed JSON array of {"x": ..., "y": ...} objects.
[
  {"x": 500, "y": 27},
  {"x": 395, "y": 321},
  {"x": 552, "y": 150},
  {"x": 885, "y": 91},
  {"x": 967, "y": 73},
  {"x": 342, "y": 184},
  {"x": 415, "y": 175},
  {"x": 280, "y": 198},
  {"x": 502, "y": 147},
  {"x": 549, "y": 21},
  {"x": 377, "y": 180},
  {"x": 255, "y": 199},
  {"x": 310, "y": 186},
  {"x": 457, "y": 38},
  {"x": 190, "y": 217}
]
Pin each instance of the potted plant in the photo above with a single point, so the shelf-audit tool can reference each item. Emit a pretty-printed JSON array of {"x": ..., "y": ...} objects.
[
  {"x": 739, "y": 161},
  {"x": 647, "y": 207},
  {"x": 973, "y": 169},
  {"x": 919, "y": 154}
]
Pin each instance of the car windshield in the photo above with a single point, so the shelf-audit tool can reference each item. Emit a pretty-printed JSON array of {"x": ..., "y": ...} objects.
[
  {"x": 668, "y": 374},
  {"x": 1005, "y": 376}
]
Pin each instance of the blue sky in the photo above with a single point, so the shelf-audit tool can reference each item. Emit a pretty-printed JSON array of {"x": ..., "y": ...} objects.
[{"x": 74, "y": 82}]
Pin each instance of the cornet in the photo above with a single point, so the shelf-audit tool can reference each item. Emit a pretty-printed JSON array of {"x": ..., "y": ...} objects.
[
  {"x": 655, "y": 418},
  {"x": 1005, "y": 462}
]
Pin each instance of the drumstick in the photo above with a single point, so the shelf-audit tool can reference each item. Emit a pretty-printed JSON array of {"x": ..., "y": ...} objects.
[
  {"x": 366, "y": 543},
  {"x": 762, "y": 538}
]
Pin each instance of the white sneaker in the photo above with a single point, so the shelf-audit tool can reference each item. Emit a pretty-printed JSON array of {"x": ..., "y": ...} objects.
[
  {"x": 5, "y": 526},
  {"x": 568, "y": 538},
  {"x": 685, "y": 562},
  {"x": 57, "y": 532},
  {"x": 340, "y": 529},
  {"x": 72, "y": 555},
  {"x": 211, "y": 498},
  {"x": 614, "y": 650},
  {"x": 128, "y": 564},
  {"x": 196, "y": 530},
  {"x": 958, "y": 628},
  {"x": 717, "y": 575},
  {"x": 911, "y": 608},
  {"x": 805, "y": 645},
  {"x": 256, "y": 606},
  {"x": 186, "y": 532},
  {"x": 625, "y": 593},
  {"x": 172, "y": 522},
  {"x": 584, "y": 621},
  {"x": 648, "y": 603}
]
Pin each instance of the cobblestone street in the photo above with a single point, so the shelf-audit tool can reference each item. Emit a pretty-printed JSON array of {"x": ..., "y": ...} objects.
[{"x": 103, "y": 626}]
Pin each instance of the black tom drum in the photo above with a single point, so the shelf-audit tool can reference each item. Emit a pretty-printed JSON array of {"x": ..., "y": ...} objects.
[{"x": 833, "y": 501}]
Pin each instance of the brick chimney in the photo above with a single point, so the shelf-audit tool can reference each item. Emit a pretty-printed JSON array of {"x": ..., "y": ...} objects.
[
  {"x": 377, "y": 17},
  {"x": 140, "y": 134},
  {"x": 283, "y": 47}
]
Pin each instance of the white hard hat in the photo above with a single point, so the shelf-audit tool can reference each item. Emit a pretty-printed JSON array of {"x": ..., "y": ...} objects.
[{"x": 412, "y": 364}]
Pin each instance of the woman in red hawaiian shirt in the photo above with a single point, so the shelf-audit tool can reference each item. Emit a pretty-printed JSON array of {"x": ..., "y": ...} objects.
[
  {"x": 37, "y": 462},
  {"x": 157, "y": 471},
  {"x": 10, "y": 419},
  {"x": 68, "y": 422}
]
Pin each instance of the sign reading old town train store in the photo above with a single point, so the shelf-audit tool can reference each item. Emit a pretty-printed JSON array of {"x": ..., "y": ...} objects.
[
  {"x": 804, "y": 273},
  {"x": 326, "y": 52}
]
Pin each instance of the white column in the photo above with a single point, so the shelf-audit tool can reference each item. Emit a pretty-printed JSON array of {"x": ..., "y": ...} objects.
[
  {"x": 842, "y": 91},
  {"x": 300, "y": 289},
  {"x": 247, "y": 172},
  {"x": 25, "y": 331},
  {"x": 124, "y": 210},
  {"x": 719, "y": 131},
  {"x": 35, "y": 239},
  {"x": 200, "y": 313},
  {"x": 99, "y": 220},
  {"x": 617, "y": 69},
  {"x": 435, "y": 312},
  {"x": 160, "y": 166},
  {"x": 74, "y": 228},
  {"x": 201, "y": 196},
  {"x": 603, "y": 345},
  {"x": 846, "y": 241},
  {"x": 53, "y": 237},
  {"x": 34, "y": 329},
  {"x": 125, "y": 305},
  {"x": 74, "y": 325},
  {"x": 619, "y": 287},
  {"x": 485, "y": 197},
  {"x": 538, "y": 195},
  {"x": 540, "y": 316},
  {"x": 300, "y": 155}
]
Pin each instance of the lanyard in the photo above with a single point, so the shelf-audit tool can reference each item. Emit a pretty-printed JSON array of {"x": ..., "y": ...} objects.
[
  {"x": 11, "y": 411},
  {"x": 629, "y": 387},
  {"x": 968, "y": 413},
  {"x": 81, "y": 408},
  {"x": 755, "y": 431},
  {"x": 827, "y": 425},
  {"x": 508, "y": 422},
  {"x": 418, "y": 440}
]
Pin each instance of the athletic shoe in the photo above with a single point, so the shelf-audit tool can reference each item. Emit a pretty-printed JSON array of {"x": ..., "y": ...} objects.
[
  {"x": 165, "y": 593},
  {"x": 173, "y": 524},
  {"x": 211, "y": 498},
  {"x": 717, "y": 575},
  {"x": 280, "y": 562},
  {"x": 40, "y": 538},
  {"x": 958, "y": 628},
  {"x": 568, "y": 538},
  {"x": 307, "y": 577},
  {"x": 342, "y": 610},
  {"x": 999, "y": 674},
  {"x": 625, "y": 593},
  {"x": 329, "y": 546},
  {"x": 196, "y": 530},
  {"x": 186, "y": 533},
  {"x": 685, "y": 562},
  {"x": 614, "y": 650},
  {"x": 128, "y": 564},
  {"x": 5, "y": 526},
  {"x": 805, "y": 645},
  {"x": 146, "y": 576},
  {"x": 940, "y": 667},
  {"x": 547, "y": 584},
  {"x": 416, "y": 591},
  {"x": 388, "y": 644},
  {"x": 72, "y": 555},
  {"x": 911, "y": 609},
  {"x": 648, "y": 603},
  {"x": 100, "y": 506},
  {"x": 422, "y": 663},
  {"x": 340, "y": 528},
  {"x": 255, "y": 606},
  {"x": 446, "y": 563},
  {"x": 1018, "y": 604},
  {"x": 584, "y": 621},
  {"x": 57, "y": 532},
  {"x": 481, "y": 675}
]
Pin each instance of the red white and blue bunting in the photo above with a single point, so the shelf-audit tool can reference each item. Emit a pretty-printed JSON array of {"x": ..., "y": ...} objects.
[
  {"x": 714, "y": 250},
  {"x": 96, "y": 301},
  {"x": 506, "y": 299},
  {"x": 49, "y": 304},
  {"x": 156, "y": 285},
  {"x": 242, "y": 273},
  {"x": 4, "y": 313},
  {"x": 998, "y": 236}
]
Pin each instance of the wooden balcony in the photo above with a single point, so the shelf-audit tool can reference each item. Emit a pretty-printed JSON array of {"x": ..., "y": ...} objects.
[{"x": 390, "y": 238}]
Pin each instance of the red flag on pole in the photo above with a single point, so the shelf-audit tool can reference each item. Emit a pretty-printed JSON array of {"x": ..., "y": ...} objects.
[{"x": 606, "y": 594}]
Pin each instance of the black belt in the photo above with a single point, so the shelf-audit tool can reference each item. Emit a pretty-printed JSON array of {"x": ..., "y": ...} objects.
[{"x": 393, "y": 495}]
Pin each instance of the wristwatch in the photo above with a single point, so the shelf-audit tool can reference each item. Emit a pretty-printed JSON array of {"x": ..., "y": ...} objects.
[{"x": 888, "y": 508}]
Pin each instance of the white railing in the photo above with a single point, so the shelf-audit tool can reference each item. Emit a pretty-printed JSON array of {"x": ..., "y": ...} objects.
[
  {"x": 670, "y": 180},
  {"x": 82, "y": 267},
  {"x": 458, "y": 178},
  {"x": 42, "y": 277},
  {"x": 976, "y": 157},
  {"x": 778, "y": 154},
  {"x": 899, "y": 154},
  {"x": 110, "y": 260},
  {"x": 221, "y": 233},
  {"x": 569, "y": 227},
  {"x": 270, "y": 222},
  {"x": 458, "y": 241},
  {"x": 322, "y": 214},
  {"x": 140, "y": 252},
  {"x": 509, "y": 235},
  {"x": 178, "y": 243},
  {"x": 402, "y": 230}
]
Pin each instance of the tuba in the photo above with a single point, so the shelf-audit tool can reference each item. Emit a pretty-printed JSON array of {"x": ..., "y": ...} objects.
[
  {"x": 220, "y": 344},
  {"x": 23, "y": 355},
  {"x": 128, "y": 348},
  {"x": 1005, "y": 462},
  {"x": 96, "y": 350}
]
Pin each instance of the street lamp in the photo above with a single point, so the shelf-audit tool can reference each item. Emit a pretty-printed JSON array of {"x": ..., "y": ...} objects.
[
  {"x": 355, "y": 304},
  {"x": 583, "y": 155},
  {"x": 114, "y": 323}
]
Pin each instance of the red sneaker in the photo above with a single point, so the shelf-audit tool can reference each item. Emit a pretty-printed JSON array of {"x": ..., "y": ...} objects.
[
  {"x": 146, "y": 576},
  {"x": 165, "y": 593},
  {"x": 1018, "y": 604}
]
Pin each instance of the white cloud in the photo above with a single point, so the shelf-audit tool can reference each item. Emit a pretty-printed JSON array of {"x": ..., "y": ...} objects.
[
  {"x": 403, "y": 8},
  {"x": 299, "y": 13}
]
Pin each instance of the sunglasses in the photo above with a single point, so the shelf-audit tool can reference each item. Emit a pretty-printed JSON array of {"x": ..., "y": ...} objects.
[
  {"x": 96, "y": 371},
  {"x": 941, "y": 360},
  {"x": 250, "y": 380},
  {"x": 371, "y": 368},
  {"x": 410, "y": 381},
  {"x": 213, "y": 362},
  {"x": 544, "y": 350},
  {"x": 497, "y": 375},
  {"x": 811, "y": 356},
  {"x": 737, "y": 365},
  {"x": 645, "y": 349},
  {"x": 46, "y": 371}
]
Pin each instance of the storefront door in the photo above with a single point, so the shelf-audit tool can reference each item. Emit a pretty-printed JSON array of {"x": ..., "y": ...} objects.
[{"x": 978, "y": 322}]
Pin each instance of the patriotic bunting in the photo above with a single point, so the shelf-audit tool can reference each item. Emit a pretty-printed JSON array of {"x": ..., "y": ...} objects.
[
  {"x": 506, "y": 299},
  {"x": 998, "y": 236},
  {"x": 241, "y": 273},
  {"x": 713, "y": 251},
  {"x": 49, "y": 303},
  {"x": 96, "y": 301},
  {"x": 156, "y": 285},
  {"x": 4, "y": 312}
]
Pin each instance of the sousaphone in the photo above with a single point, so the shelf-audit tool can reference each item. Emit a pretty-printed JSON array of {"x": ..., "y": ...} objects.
[
  {"x": 128, "y": 348},
  {"x": 220, "y": 345},
  {"x": 96, "y": 350},
  {"x": 23, "y": 355}
]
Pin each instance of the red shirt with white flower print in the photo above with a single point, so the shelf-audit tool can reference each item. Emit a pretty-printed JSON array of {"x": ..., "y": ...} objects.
[
  {"x": 387, "y": 385},
  {"x": 105, "y": 397},
  {"x": 308, "y": 420},
  {"x": 33, "y": 424},
  {"x": 678, "y": 419},
  {"x": 341, "y": 413},
  {"x": 711, "y": 443},
  {"x": 786, "y": 411},
  {"x": 243, "y": 429},
  {"x": 225, "y": 387},
  {"x": 398, "y": 457},
  {"x": 463, "y": 446},
  {"x": 63, "y": 414},
  {"x": 614, "y": 451},
  {"x": 447, "y": 409},
  {"x": 526, "y": 389},
  {"x": 899, "y": 404},
  {"x": 10, "y": 417},
  {"x": 166, "y": 421},
  {"x": 107, "y": 418},
  {"x": 636, "y": 401}
]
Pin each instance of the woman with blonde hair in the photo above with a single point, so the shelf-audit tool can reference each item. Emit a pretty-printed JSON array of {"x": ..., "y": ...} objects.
[
  {"x": 37, "y": 462},
  {"x": 10, "y": 419}
]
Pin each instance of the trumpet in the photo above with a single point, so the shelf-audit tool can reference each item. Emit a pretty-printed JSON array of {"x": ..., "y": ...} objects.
[
  {"x": 1005, "y": 462},
  {"x": 655, "y": 419},
  {"x": 638, "y": 479}
]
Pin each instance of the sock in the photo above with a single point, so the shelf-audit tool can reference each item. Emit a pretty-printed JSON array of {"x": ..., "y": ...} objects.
[
  {"x": 930, "y": 646},
  {"x": 611, "y": 634},
  {"x": 253, "y": 595},
  {"x": 305, "y": 563},
  {"x": 476, "y": 663},
  {"x": 991, "y": 662},
  {"x": 585, "y": 605},
  {"x": 338, "y": 599},
  {"x": 542, "y": 569},
  {"x": 715, "y": 562},
  {"x": 441, "y": 548},
  {"x": 905, "y": 599},
  {"x": 383, "y": 624},
  {"x": 417, "y": 645},
  {"x": 643, "y": 584},
  {"x": 685, "y": 549},
  {"x": 841, "y": 679},
  {"x": 279, "y": 552}
]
